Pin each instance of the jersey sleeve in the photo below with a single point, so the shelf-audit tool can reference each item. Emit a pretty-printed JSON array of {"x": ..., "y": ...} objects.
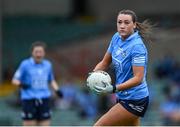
[
  {"x": 19, "y": 72},
  {"x": 51, "y": 75},
  {"x": 110, "y": 48},
  {"x": 139, "y": 55}
]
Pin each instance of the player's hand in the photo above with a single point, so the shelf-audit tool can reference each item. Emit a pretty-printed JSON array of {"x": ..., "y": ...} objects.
[
  {"x": 107, "y": 88},
  {"x": 59, "y": 93},
  {"x": 24, "y": 86}
]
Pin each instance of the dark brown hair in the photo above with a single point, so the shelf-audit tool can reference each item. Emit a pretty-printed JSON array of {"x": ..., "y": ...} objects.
[
  {"x": 37, "y": 44},
  {"x": 144, "y": 28}
]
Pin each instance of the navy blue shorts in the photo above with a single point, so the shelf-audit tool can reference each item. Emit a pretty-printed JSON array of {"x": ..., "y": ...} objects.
[
  {"x": 36, "y": 109},
  {"x": 137, "y": 107}
]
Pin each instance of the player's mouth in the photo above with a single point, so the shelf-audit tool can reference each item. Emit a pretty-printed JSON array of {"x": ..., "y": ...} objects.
[
  {"x": 38, "y": 59},
  {"x": 122, "y": 31}
]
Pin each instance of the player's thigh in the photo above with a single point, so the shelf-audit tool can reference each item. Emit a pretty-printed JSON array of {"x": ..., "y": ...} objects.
[
  {"x": 44, "y": 122},
  {"x": 29, "y": 123},
  {"x": 118, "y": 116}
]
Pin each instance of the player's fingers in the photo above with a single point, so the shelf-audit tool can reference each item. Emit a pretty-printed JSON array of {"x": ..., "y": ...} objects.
[
  {"x": 99, "y": 88},
  {"x": 105, "y": 84},
  {"x": 96, "y": 90}
]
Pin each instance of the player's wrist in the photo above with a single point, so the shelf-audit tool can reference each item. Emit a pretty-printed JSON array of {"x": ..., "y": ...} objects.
[
  {"x": 115, "y": 89},
  {"x": 59, "y": 93}
]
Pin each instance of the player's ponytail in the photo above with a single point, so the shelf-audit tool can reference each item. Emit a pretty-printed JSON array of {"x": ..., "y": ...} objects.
[{"x": 144, "y": 28}]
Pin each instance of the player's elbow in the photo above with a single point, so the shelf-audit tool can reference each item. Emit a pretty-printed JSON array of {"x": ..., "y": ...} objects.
[
  {"x": 12, "y": 81},
  {"x": 15, "y": 82}
]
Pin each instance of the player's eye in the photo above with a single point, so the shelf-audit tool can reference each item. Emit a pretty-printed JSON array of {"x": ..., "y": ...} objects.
[
  {"x": 127, "y": 22},
  {"x": 119, "y": 22}
]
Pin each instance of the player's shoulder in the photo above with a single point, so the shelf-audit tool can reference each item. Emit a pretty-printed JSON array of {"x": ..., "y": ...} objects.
[
  {"x": 116, "y": 35},
  {"x": 47, "y": 62},
  {"x": 139, "y": 47},
  {"x": 115, "y": 38},
  {"x": 138, "y": 42},
  {"x": 26, "y": 61}
]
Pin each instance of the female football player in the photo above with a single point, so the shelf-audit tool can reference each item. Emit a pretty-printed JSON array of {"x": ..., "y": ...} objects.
[
  {"x": 34, "y": 76},
  {"x": 128, "y": 55}
]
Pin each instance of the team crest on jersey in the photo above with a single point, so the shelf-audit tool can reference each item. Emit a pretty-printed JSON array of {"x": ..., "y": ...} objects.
[{"x": 120, "y": 51}]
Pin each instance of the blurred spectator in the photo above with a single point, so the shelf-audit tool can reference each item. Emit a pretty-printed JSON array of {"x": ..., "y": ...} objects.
[
  {"x": 87, "y": 104},
  {"x": 69, "y": 91},
  {"x": 168, "y": 68},
  {"x": 78, "y": 98},
  {"x": 165, "y": 67},
  {"x": 176, "y": 73},
  {"x": 170, "y": 108}
]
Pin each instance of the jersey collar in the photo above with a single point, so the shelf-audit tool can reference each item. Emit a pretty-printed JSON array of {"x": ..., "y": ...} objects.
[
  {"x": 134, "y": 35},
  {"x": 33, "y": 62}
]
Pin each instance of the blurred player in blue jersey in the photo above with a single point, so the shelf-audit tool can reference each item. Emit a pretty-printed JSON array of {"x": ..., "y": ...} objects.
[
  {"x": 129, "y": 56},
  {"x": 34, "y": 76}
]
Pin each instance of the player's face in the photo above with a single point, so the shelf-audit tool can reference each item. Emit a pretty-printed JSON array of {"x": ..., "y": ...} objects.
[
  {"x": 125, "y": 25},
  {"x": 38, "y": 53}
]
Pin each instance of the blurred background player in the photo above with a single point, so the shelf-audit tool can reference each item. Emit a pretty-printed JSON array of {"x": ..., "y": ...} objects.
[
  {"x": 128, "y": 55},
  {"x": 33, "y": 77}
]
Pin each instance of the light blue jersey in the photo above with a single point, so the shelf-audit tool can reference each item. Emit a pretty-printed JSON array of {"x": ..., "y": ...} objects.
[
  {"x": 125, "y": 54},
  {"x": 38, "y": 76}
]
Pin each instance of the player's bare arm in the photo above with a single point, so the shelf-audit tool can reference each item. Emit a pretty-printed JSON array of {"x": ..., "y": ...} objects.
[
  {"x": 16, "y": 82},
  {"x": 56, "y": 88},
  {"x": 104, "y": 64},
  {"x": 138, "y": 72},
  {"x": 54, "y": 85}
]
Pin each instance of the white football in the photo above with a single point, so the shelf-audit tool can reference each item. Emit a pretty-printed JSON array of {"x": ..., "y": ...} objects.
[{"x": 97, "y": 78}]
